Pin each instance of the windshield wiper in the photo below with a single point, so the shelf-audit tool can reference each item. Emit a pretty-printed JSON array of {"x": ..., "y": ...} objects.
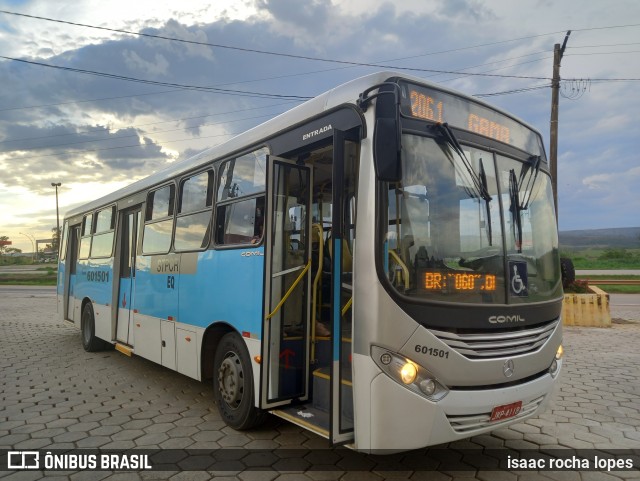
[
  {"x": 515, "y": 185},
  {"x": 534, "y": 165},
  {"x": 483, "y": 180},
  {"x": 479, "y": 182},
  {"x": 515, "y": 208}
]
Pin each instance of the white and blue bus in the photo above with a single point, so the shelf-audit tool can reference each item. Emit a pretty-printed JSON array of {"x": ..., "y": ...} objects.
[{"x": 379, "y": 265}]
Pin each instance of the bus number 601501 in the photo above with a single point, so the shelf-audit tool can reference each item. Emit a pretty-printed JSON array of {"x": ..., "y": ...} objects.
[{"x": 432, "y": 351}]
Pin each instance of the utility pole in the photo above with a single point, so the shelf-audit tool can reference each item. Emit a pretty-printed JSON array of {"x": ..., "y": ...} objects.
[{"x": 558, "y": 52}]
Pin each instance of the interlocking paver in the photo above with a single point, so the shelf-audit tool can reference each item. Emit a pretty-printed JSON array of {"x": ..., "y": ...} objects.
[{"x": 78, "y": 399}]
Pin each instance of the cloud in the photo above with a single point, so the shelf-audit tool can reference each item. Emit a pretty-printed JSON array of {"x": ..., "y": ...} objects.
[
  {"x": 466, "y": 10},
  {"x": 67, "y": 152},
  {"x": 152, "y": 68},
  {"x": 312, "y": 14},
  {"x": 94, "y": 129}
]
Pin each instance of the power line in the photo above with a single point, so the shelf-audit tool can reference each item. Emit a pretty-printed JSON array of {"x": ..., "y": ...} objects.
[
  {"x": 58, "y": 154},
  {"x": 605, "y": 45},
  {"x": 601, "y": 53},
  {"x": 273, "y": 78},
  {"x": 265, "y": 95},
  {"x": 137, "y": 126},
  {"x": 119, "y": 137},
  {"x": 250, "y": 50},
  {"x": 513, "y": 91},
  {"x": 281, "y": 54},
  {"x": 289, "y": 55},
  {"x": 300, "y": 57},
  {"x": 605, "y": 28},
  {"x": 88, "y": 100},
  {"x": 241, "y": 93},
  {"x": 258, "y": 94}
]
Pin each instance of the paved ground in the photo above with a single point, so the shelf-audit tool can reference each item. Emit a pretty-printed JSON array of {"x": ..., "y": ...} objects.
[{"x": 54, "y": 395}]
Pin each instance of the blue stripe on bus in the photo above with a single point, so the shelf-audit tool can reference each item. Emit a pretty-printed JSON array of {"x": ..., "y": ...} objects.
[
  {"x": 227, "y": 286},
  {"x": 61, "y": 276},
  {"x": 337, "y": 256},
  {"x": 94, "y": 279}
]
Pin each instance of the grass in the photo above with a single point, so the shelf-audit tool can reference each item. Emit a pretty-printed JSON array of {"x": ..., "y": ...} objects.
[
  {"x": 593, "y": 258},
  {"x": 619, "y": 289},
  {"x": 28, "y": 280}
]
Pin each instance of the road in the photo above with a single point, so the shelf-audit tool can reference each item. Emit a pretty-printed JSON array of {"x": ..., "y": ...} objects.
[
  {"x": 26, "y": 269},
  {"x": 27, "y": 291}
]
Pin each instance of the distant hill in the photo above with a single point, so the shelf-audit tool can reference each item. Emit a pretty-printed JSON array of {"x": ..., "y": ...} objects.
[{"x": 622, "y": 238}]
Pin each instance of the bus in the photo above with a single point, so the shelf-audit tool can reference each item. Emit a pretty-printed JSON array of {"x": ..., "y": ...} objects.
[{"x": 378, "y": 265}]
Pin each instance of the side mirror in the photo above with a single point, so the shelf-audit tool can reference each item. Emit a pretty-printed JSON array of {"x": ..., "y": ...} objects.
[{"x": 386, "y": 150}]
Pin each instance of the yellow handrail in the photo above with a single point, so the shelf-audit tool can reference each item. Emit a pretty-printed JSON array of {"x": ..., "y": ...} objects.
[
  {"x": 316, "y": 281},
  {"x": 347, "y": 306},
  {"x": 293, "y": 286},
  {"x": 402, "y": 265}
]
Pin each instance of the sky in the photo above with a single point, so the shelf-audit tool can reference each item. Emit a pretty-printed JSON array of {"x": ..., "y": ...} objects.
[{"x": 95, "y": 133}]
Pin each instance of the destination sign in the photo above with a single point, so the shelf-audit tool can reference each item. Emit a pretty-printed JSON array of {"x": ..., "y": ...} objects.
[
  {"x": 439, "y": 281},
  {"x": 438, "y": 106}
]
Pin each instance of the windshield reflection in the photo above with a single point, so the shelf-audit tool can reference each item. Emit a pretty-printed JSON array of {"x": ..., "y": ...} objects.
[{"x": 446, "y": 234}]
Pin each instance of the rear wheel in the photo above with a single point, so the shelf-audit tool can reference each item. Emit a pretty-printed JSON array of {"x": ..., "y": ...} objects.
[
  {"x": 233, "y": 384},
  {"x": 88, "y": 328}
]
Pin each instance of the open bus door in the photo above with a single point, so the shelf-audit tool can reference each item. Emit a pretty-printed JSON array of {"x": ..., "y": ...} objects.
[
  {"x": 344, "y": 178},
  {"x": 127, "y": 249},
  {"x": 285, "y": 346},
  {"x": 70, "y": 271},
  {"x": 309, "y": 283}
]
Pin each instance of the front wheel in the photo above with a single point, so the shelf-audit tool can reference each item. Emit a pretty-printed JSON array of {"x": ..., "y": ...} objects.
[{"x": 233, "y": 384}]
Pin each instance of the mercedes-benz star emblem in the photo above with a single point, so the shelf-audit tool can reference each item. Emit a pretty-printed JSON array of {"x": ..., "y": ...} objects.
[{"x": 508, "y": 368}]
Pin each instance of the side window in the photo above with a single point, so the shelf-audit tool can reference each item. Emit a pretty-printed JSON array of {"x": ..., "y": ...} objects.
[
  {"x": 62, "y": 255},
  {"x": 193, "y": 222},
  {"x": 103, "y": 231},
  {"x": 85, "y": 241},
  {"x": 240, "y": 207},
  {"x": 243, "y": 176},
  {"x": 159, "y": 220},
  {"x": 240, "y": 222}
]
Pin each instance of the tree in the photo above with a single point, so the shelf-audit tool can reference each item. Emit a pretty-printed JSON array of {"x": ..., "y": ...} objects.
[{"x": 55, "y": 240}]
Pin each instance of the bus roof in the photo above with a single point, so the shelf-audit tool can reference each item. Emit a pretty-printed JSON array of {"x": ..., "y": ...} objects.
[{"x": 346, "y": 93}]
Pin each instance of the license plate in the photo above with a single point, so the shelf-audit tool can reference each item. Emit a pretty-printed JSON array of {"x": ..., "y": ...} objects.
[{"x": 506, "y": 411}]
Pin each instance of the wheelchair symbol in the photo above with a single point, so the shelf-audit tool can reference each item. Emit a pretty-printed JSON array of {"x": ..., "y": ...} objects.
[
  {"x": 518, "y": 278},
  {"x": 516, "y": 282}
]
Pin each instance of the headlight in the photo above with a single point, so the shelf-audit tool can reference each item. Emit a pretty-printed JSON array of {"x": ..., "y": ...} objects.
[
  {"x": 408, "y": 373},
  {"x": 555, "y": 364}
]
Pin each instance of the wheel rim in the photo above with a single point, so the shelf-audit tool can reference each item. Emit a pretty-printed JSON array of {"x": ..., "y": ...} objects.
[{"x": 231, "y": 380}]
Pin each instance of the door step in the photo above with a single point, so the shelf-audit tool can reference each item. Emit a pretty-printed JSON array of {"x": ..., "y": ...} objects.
[
  {"x": 307, "y": 416},
  {"x": 322, "y": 391},
  {"x": 126, "y": 350}
]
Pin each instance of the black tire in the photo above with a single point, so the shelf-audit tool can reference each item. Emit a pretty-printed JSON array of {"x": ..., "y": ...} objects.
[
  {"x": 568, "y": 271},
  {"x": 88, "y": 327},
  {"x": 233, "y": 384}
]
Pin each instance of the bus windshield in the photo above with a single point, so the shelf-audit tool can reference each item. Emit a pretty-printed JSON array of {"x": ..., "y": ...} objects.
[{"x": 467, "y": 225}]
